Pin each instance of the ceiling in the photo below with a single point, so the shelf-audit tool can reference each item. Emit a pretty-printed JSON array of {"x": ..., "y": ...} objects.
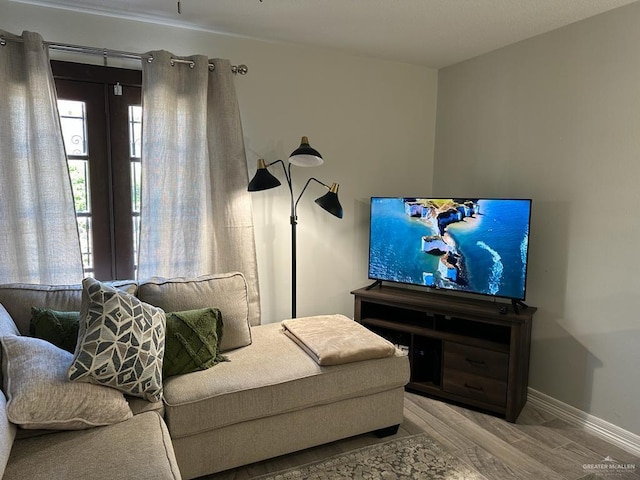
[{"x": 433, "y": 33}]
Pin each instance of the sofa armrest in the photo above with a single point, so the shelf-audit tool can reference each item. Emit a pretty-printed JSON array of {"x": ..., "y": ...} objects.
[{"x": 7, "y": 434}]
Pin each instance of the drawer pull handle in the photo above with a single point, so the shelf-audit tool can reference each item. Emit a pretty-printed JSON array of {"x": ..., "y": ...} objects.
[
  {"x": 471, "y": 387},
  {"x": 477, "y": 363}
]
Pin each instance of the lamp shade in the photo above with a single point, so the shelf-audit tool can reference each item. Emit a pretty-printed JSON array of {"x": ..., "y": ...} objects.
[
  {"x": 305, "y": 156},
  {"x": 262, "y": 180},
  {"x": 329, "y": 201}
]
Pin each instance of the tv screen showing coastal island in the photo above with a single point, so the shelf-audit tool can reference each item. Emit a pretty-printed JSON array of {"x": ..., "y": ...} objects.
[{"x": 471, "y": 245}]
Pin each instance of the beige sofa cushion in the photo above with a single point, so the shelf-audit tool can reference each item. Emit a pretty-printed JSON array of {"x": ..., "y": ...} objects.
[
  {"x": 227, "y": 292},
  {"x": 40, "y": 396},
  {"x": 271, "y": 376},
  {"x": 139, "y": 448},
  {"x": 139, "y": 405},
  {"x": 18, "y": 298}
]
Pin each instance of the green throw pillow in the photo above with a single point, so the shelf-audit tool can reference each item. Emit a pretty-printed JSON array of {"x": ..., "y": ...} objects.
[
  {"x": 191, "y": 343},
  {"x": 58, "y": 328},
  {"x": 192, "y": 340}
]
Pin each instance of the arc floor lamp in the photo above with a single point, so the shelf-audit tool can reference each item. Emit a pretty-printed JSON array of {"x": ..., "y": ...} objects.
[{"x": 303, "y": 156}]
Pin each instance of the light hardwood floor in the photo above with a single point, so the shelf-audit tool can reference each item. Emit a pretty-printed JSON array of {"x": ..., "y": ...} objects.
[{"x": 539, "y": 446}]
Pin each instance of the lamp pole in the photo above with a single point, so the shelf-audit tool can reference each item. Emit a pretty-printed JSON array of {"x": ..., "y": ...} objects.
[
  {"x": 293, "y": 219},
  {"x": 264, "y": 180}
]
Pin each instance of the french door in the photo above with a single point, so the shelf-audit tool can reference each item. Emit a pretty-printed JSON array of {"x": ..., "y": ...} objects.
[{"x": 101, "y": 118}]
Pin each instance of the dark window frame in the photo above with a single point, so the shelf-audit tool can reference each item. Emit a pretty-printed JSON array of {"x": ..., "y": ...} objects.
[{"x": 109, "y": 158}]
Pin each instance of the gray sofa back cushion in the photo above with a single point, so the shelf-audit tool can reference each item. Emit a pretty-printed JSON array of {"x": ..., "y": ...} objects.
[
  {"x": 18, "y": 298},
  {"x": 227, "y": 292}
]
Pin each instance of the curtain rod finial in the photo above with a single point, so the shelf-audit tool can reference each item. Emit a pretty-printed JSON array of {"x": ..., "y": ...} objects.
[{"x": 241, "y": 69}]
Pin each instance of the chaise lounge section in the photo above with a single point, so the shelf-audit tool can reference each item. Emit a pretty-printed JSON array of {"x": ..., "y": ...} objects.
[{"x": 269, "y": 399}]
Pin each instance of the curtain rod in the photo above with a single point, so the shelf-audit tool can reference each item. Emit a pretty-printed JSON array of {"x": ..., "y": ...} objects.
[{"x": 105, "y": 52}]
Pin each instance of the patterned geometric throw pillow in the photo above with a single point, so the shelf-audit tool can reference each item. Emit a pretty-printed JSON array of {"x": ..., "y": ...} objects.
[{"x": 120, "y": 342}]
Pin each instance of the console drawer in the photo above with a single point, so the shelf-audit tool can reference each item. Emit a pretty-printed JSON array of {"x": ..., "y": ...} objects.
[
  {"x": 476, "y": 361},
  {"x": 488, "y": 390}
]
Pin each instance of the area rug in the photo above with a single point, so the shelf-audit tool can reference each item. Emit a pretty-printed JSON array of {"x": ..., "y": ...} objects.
[{"x": 407, "y": 458}]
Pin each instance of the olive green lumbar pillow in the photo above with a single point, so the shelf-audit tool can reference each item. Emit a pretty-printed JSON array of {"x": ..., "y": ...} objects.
[
  {"x": 120, "y": 342},
  {"x": 192, "y": 341},
  {"x": 59, "y": 328}
]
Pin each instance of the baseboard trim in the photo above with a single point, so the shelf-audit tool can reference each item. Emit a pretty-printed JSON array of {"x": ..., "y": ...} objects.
[{"x": 607, "y": 431}]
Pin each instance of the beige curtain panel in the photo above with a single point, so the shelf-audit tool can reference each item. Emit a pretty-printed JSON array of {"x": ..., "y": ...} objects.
[
  {"x": 196, "y": 215},
  {"x": 39, "y": 240}
]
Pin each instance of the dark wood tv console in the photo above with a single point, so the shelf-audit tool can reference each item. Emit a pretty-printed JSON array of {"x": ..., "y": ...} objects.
[{"x": 473, "y": 352}]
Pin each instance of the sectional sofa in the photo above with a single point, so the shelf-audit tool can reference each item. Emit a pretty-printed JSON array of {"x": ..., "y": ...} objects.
[{"x": 267, "y": 398}]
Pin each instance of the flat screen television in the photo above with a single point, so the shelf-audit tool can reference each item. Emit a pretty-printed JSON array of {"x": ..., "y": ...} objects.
[{"x": 472, "y": 245}]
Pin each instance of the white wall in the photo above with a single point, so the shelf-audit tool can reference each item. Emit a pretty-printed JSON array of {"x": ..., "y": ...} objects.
[
  {"x": 373, "y": 121},
  {"x": 557, "y": 118}
]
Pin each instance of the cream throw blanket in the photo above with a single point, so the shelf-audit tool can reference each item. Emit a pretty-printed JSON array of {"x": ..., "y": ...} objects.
[{"x": 336, "y": 339}]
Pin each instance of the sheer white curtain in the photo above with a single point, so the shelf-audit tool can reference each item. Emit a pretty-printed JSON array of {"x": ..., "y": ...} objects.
[
  {"x": 39, "y": 240},
  {"x": 196, "y": 213}
]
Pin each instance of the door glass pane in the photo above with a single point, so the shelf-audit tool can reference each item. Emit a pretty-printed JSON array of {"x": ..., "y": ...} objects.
[
  {"x": 73, "y": 120},
  {"x": 79, "y": 172},
  {"x": 135, "y": 130},
  {"x": 135, "y": 143},
  {"x": 86, "y": 243},
  {"x": 74, "y": 126}
]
